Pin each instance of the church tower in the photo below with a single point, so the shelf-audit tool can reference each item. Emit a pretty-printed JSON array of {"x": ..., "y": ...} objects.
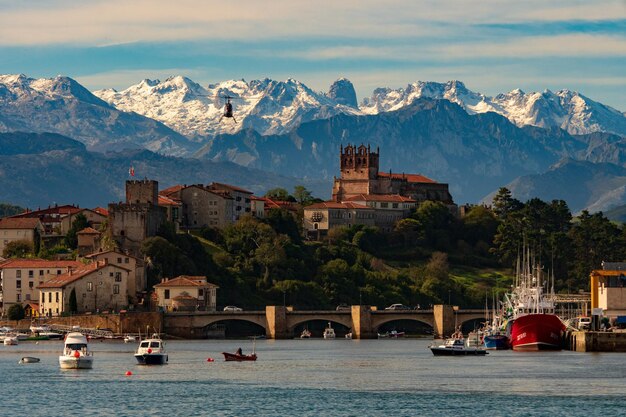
[{"x": 358, "y": 163}]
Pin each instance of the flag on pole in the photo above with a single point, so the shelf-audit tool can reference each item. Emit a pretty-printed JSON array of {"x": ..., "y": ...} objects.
[{"x": 131, "y": 171}]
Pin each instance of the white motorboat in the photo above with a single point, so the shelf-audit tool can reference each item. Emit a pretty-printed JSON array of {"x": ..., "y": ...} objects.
[
  {"x": 129, "y": 338},
  {"x": 76, "y": 354},
  {"x": 10, "y": 340},
  {"x": 151, "y": 351},
  {"x": 329, "y": 332},
  {"x": 306, "y": 334},
  {"x": 349, "y": 335},
  {"x": 456, "y": 346}
]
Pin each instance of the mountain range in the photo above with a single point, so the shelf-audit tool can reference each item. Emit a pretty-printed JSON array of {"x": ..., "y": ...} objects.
[
  {"x": 473, "y": 142},
  {"x": 39, "y": 169}
]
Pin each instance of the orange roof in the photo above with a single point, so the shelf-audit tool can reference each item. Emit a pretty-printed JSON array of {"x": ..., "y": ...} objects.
[
  {"x": 96, "y": 254},
  {"x": 102, "y": 211},
  {"x": 407, "y": 177},
  {"x": 167, "y": 201},
  {"x": 185, "y": 281},
  {"x": 171, "y": 190},
  {"x": 39, "y": 263},
  {"x": 18, "y": 223},
  {"x": 89, "y": 231},
  {"x": 65, "y": 209},
  {"x": 395, "y": 198},
  {"x": 336, "y": 205},
  {"x": 219, "y": 185}
]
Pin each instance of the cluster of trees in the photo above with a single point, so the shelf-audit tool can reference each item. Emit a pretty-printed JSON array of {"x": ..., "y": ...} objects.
[
  {"x": 300, "y": 195},
  {"x": 10, "y": 210}
]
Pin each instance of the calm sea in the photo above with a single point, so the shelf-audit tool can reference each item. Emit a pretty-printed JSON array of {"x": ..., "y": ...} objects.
[{"x": 312, "y": 378}]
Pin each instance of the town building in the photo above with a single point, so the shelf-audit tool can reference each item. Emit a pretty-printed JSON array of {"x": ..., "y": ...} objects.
[
  {"x": 137, "y": 280},
  {"x": 88, "y": 241},
  {"x": 321, "y": 217},
  {"x": 608, "y": 289},
  {"x": 200, "y": 206},
  {"x": 51, "y": 218},
  {"x": 19, "y": 279},
  {"x": 360, "y": 175},
  {"x": 242, "y": 203},
  {"x": 16, "y": 228},
  {"x": 94, "y": 218},
  {"x": 186, "y": 293},
  {"x": 139, "y": 218},
  {"x": 389, "y": 208},
  {"x": 98, "y": 286}
]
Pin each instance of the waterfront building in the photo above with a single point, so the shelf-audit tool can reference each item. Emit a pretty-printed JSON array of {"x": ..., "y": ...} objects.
[
  {"x": 19, "y": 278},
  {"x": 98, "y": 286},
  {"x": 185, "y": 293},
  {"x": 608, "y": 289},
  {"x": 137, "y": 280}
]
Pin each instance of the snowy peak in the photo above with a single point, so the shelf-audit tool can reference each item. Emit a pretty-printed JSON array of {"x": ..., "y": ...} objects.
[{"x": 342, "y": 92}]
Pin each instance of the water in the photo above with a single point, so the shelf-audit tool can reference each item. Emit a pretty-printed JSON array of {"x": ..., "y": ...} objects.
[{"x": 312, "y": 378}]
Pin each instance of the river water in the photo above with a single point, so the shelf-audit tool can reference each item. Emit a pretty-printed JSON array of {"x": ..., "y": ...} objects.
[{"x": 312, "y": 378}]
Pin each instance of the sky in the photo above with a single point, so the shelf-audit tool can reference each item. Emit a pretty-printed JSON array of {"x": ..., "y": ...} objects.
[{"x": 493, "y": 46}]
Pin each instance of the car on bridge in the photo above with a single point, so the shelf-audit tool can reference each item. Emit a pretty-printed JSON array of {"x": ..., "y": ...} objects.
[
  {"x": 343, "y": 307},
  {"x": 398, "y": 307},
  {"x": 232, "y": 308}
]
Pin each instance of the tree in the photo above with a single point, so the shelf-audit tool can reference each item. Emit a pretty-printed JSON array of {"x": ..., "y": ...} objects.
[
  {"x": 504, "y": 203},
  {"x": 16, "y": 312},
  {"x": 73, "y": 302},
  {"x": 80, "y": 222},
  {"x": 279, "y": 194},
  {"x": 9, "y": 210},
  {"x": 18, "y": 249},
  {"x": 302, "y": 195}
]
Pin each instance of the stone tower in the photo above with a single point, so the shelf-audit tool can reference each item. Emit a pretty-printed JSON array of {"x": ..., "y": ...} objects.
[
  {"x": 358, "y": 163},
  {"x": 142, "y": 192}
]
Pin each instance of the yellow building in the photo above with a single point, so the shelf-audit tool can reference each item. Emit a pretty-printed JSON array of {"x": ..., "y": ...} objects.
[
  {"x": 608, "y": 289},
  {"x": 186, "y": 293}
]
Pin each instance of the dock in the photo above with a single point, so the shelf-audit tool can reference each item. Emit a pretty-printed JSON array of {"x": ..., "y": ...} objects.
[{"x": 585, "y": 341}]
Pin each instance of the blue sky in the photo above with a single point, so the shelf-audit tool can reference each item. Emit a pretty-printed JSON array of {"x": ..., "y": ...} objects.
[{"x": 493, "y": 46}]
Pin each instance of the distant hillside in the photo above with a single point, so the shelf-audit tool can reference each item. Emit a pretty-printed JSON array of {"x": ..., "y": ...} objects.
[
  {"x": 617, "y": 214},
  {"x": 43, "y": 169}
]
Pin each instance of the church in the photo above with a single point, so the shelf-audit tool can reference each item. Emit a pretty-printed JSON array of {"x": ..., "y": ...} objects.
[{"x": 364, "y": 195}]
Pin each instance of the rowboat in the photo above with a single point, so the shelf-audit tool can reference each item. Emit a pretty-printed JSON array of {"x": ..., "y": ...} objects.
[{"x": 229, "y": 357}]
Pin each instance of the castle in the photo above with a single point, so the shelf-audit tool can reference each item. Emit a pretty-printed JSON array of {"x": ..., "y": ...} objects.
[{"x": 360, "y": 175}]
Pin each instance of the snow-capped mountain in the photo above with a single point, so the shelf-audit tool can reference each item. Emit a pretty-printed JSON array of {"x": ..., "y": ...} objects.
[
  {"x": 565, "y": 109},
  {"x": 267, "y": 106},
  {"x": 61, "y": 105}
]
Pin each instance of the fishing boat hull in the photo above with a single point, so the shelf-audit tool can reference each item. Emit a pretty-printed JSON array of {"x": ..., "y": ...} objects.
[
  {"x": 233, "y": 357},
  {"x": 534, "y": 332},
  {"x": 446, "y": 351},
  {"x": 496, "y": 342},
  {"x": 151, "y": 358},
  {"x": 71, "y": 362}
]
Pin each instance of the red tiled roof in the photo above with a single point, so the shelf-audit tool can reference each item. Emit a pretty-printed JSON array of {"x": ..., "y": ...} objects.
[
  {"x": 39, "y": 263},
  {"x": 408, "y": 177},
  {"x": 65, "y": 209},
  {"x": 336, "y": 205},
  {"x": 62, "y": 280},
  {"x": 395, "y": 198},
  {"x": 102, "y": 211},
  {"x": 89, "y": 231},
  {"x": 185, "y": 281},
  {"x": 18, "y": 223},
  {"x": 96, "y": 254},
  {"x": 171, "y": 190},
  {"x": 167, "y": 201},
  {"x": 219, "y": 185}
]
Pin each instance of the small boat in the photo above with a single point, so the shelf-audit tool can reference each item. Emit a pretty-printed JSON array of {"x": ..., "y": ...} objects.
[
  {"x": 306, "y": 334},
  {"x": 151, "y": 351},
  {"x": 10, "y": 340},
  {"x": 329, "y": 332},
  {"x": 456, "y": 347},
  {"x": 496, "y": 341},
  {"x": 474, "y": 339},
  {"x": 29, "y": 359},
  {"x": 238, "y": 357},
  {"x": 349, "y": 335},
  {"x": 129, "y": 338},
  {"x": 76, "y": 354},
  {"x": 391, "y": 335}
]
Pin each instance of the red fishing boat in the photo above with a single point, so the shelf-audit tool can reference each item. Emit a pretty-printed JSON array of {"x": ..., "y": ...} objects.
[{"x": 537, "y": 332}]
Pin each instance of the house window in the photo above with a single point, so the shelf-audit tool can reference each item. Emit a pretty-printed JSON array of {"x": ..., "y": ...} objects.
[
  {"x": 125, "y": 260},
  {"x": 41, "y": 272},
  {"x": 18, "y": 284},
  {"x": 238, "y": 198},
  {"x": 30, "y": 284},
  {"x": 27, "y": 297},
  {"x": 116, "y": 289},
  {"x": 167, "y": 294},
  {"x": 56, "y": 297},
  {"x": 58, "y": 272},
  {"x": 18, "y": 274},
  {"x": 90, "y": 286},
  {"x": 49, "y": 297},
  {"x": 384, "y": 205},
  {"x": 110, "y": 274},
  {"x": 31, "y": 274},
  {"x": 19, "y": 298},
  {"x": 394, "y": 205},
  {"x": 200, "y": 292},
  {"x": 119, "y": 260},
  {"x": 118, "y": 277}
]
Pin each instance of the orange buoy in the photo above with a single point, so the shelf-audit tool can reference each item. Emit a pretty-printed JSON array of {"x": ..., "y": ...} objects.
[
  {"x": 149, "y": 350},
  {"x": 128, "y": 373},
  {"x": 210, "y": 360},
  {"x": 76, "y": 354}
]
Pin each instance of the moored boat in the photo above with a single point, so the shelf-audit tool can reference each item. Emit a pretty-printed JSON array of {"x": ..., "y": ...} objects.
[
  {"x": 537, "y": 332},
  {"x": 10, "y": 340},
  {"x": 76, "y": 354},
  {"x": 456, "y": 347},
  {"x": 151, "y": 351},
  {"x": 238, "y": 357},
  {"x": 329, "y": 332},
  {"x": 306, "y": 334},
  {"x": 496, "y": 342}
]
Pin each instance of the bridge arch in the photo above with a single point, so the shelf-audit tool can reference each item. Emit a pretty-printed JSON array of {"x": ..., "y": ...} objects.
[{"x": 382, "y": 323}]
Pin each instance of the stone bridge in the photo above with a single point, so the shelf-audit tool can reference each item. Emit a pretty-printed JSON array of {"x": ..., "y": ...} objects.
[{"x": 280, "y": 322}]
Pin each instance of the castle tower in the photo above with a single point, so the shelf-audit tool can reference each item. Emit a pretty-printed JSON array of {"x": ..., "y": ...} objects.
[
  {"x": 142, "y": 192},
  {"x": 358, "y": 163}
]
